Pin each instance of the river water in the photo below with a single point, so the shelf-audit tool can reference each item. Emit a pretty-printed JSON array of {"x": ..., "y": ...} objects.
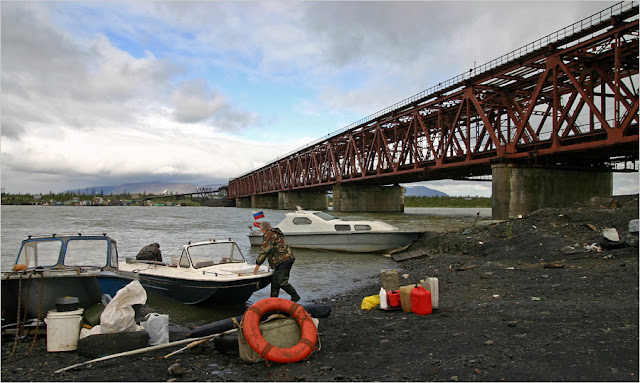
[{"x": 316, "y": 274}]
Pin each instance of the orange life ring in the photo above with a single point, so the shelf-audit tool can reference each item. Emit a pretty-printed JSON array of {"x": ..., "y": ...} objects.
[{"x": 254, "y": 337}]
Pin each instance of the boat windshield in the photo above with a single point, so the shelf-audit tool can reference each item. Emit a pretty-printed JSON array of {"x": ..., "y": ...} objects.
[
  {"x": 78, "y": 252},
  {"x": 325, "y": 216},
  {"x": 45, "y": 252},
  {"x": 87, "y": 252},
  {"x": 215, "y": 253}
]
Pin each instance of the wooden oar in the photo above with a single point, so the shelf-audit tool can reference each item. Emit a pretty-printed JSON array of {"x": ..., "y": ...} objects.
[{"x": 137, "y": 351}]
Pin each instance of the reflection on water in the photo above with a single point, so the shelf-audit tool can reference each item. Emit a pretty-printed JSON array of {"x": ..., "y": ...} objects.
[{"x": 315, "y": 274}]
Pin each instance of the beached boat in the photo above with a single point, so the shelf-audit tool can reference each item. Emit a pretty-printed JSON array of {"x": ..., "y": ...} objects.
[
  {"x": 57, "y": 266},
  {"x": 208, "y": 272},
  {"x": 310, "y": 229}
]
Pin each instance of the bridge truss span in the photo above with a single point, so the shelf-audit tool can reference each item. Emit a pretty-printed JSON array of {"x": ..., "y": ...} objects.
[{"x": 571, "y": 102}]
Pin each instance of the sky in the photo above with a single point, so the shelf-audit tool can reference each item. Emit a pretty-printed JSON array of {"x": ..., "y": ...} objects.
[{"x": 104, "y": 93}]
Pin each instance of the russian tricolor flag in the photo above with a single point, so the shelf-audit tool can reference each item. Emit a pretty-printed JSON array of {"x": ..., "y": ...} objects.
[{"x": 258, "y": 215}]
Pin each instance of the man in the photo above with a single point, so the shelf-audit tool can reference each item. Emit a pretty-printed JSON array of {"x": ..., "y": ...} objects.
[
  {"x": 150, "y": 253},
  {"x": 277, "y": 252}
]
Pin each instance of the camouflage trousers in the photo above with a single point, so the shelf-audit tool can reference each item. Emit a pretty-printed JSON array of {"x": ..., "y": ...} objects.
[{"x": 280, "y": 280}]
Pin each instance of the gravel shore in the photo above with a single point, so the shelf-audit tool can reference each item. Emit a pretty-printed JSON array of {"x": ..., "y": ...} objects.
[{"x": 528, "y": 299}]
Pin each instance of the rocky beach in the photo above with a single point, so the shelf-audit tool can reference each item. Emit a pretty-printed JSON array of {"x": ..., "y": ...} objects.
[{"x": 543, "y": 297}]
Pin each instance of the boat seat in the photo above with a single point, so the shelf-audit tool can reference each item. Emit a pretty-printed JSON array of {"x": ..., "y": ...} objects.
[{"x": 204, "y": 264}]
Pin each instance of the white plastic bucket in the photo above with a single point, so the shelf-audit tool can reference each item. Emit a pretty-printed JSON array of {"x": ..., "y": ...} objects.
[{"x": 63, "y": 330}]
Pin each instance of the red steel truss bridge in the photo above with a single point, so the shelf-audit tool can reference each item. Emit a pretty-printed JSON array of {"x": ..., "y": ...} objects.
[{"x": 569, "y": 99}]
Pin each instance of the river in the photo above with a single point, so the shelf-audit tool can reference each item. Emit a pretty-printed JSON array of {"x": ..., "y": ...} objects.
[{"x": 316, "y": 274}]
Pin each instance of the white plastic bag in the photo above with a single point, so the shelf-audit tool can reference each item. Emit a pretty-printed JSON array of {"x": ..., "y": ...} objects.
[
  {"x": 157, "y": 325},
  {"x": 119, "y": 316}
]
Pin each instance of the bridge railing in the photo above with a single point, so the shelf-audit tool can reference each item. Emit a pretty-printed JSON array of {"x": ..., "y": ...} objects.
[{"x": 551, "y": 38}]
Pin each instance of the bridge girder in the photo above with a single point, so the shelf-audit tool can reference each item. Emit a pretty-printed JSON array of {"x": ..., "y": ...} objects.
[{"x": 571, "y": 102}]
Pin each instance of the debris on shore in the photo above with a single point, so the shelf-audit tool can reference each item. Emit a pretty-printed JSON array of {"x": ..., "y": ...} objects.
[{"x": 537, "y": 298}]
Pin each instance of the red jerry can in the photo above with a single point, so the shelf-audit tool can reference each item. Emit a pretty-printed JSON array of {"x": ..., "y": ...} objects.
[
  {"x": 393, "y": 298},
  {"x": 421, "y": 301}
]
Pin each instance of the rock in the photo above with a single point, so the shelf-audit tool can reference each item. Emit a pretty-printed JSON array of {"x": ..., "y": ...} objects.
[
  {"x": 605, "y": 202},
  {"x": 611, "y": 234},
  {"x": 175, "y": 370}
]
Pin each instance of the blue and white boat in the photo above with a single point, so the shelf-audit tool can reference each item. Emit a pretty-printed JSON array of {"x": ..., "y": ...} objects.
[{"x": 60, "y": 265}]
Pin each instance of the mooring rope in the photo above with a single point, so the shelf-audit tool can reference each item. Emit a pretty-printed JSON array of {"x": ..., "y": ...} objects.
[
  {"x": 20, "y": 325},
  {"x": 15, "y": 341}
]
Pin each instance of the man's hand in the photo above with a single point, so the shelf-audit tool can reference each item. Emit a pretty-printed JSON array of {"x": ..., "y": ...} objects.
[{"x": 255, "y": 271}]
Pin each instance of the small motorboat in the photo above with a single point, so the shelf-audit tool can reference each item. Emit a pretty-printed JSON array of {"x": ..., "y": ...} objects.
[
  {"x": 310, "y": 229},
  {"x": 208, "y": 272},
  {"x": 57, "y": 266}
]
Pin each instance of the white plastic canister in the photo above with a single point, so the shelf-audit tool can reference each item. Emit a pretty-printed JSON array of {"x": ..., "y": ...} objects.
[
  {"x": 431, "y": 284},
  {"x": 383, "y": 299},
  {"x": 63, "y": 330}
]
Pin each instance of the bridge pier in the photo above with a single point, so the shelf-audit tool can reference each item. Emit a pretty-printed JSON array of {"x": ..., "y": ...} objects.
[
  {"x": 264, "y": 201},
  {"x": 350, "y": 197},
  {"x": 518, "y": 189},
  {"x": 288, "y": 200},
  {"x": 243, "y": 202}
]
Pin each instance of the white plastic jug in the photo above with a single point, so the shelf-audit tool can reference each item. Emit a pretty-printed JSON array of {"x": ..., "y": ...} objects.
[{"x": 383, "y": 299}]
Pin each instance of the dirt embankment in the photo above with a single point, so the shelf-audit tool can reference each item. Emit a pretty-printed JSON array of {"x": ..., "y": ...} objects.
[{"x": 525, "y": 300}]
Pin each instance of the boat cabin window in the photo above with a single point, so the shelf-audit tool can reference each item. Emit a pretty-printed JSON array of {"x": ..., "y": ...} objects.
[
  {"x": 301, "y": 221},
  {"x": 362, "y": 227},
  {"x": 214, "y": 253},
  {"x": 86, "y": 252},
  {"x": 40, "y": 253},
  {"x": 342, "y": 227},
  {"x": 325, "y": 216}
]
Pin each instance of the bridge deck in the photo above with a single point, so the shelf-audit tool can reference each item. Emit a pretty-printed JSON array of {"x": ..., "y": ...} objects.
[{"x": 569, "y": 99}]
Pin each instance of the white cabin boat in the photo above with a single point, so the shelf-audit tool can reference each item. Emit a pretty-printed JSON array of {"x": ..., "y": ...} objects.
[{"x": 310, "y": 229}]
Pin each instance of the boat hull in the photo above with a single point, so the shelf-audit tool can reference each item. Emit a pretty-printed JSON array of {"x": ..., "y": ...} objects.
[
  {"x": 202, "y": 292},
  {"x": 38, "y": 295},
  {"x": 354, "y": 242}
]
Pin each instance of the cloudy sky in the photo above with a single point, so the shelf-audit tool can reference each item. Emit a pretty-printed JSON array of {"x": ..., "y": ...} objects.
[{"x": 103, "y": 93}]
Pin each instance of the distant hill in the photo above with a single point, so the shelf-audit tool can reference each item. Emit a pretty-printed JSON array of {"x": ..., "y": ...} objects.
[
  {"x": 92, "y": 190},
  {"x": 422, "y": 191},
  {"x": 144, "y": 187}
]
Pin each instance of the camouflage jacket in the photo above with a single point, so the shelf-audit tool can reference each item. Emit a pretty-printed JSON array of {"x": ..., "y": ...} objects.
[{"x": 274, "y": 248}]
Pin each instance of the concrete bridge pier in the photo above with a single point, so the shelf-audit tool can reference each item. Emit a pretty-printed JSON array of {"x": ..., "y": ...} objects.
[
  {"x": 264, "y": 201},
  {"x": 243, "y": 202},
  {"x": 519, "y": 189},
  {"x": 307, "y": 200},
  {"x": 373, "y": 198}
]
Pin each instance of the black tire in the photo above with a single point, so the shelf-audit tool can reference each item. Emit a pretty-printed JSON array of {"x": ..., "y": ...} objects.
[{"x": 95, "y": 346}]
